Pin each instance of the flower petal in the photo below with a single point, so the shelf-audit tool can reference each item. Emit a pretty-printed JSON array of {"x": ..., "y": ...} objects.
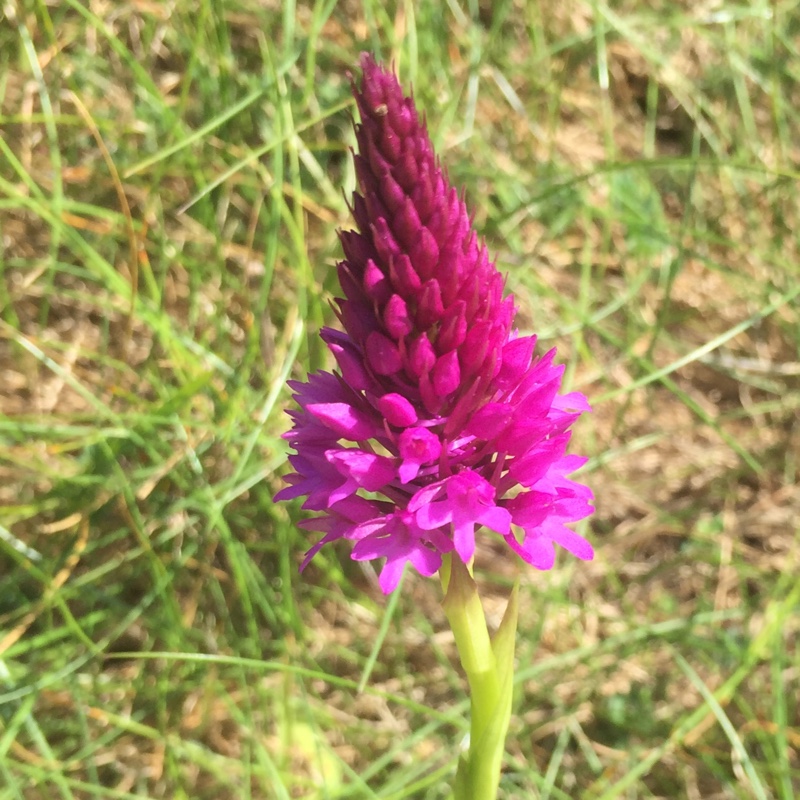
[{"x": 345, "y": 420}]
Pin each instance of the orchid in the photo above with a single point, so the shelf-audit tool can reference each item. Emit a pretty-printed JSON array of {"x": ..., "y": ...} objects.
[{"x": 439, "y": 420}]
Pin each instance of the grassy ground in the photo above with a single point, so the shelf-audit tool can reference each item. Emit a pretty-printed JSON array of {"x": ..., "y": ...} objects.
[{"x": 172, "y": 176}]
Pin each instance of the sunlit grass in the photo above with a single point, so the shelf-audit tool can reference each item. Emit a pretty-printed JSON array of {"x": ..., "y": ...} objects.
[{"x": 172, "y": 177}]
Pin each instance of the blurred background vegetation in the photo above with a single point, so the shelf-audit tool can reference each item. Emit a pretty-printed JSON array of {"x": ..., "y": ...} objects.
[{"x": 172, "y": 177}]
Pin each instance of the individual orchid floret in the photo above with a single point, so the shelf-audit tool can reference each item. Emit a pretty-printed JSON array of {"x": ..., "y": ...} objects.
[
  {"x": 417, "y": 447},
  {"x": 462, "y": 501},
  {"x": 440, "y": 419}
]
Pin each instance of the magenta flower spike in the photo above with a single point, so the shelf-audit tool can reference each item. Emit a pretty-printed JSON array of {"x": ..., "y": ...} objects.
[{"x": 440, "y": 419}]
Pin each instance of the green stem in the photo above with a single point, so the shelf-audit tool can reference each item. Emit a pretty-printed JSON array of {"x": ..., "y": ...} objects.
[{"x": 489, "y": 666}]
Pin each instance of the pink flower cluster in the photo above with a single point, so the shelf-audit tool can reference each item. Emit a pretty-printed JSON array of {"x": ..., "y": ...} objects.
[{"x": 440, "y": 418}]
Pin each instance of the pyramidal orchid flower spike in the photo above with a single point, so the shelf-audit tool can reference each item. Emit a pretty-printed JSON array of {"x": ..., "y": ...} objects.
[{"x": 440, "y": 420}]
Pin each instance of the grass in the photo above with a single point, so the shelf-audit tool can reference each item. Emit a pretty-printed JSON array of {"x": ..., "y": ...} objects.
[{"x": 172, "y": 177}]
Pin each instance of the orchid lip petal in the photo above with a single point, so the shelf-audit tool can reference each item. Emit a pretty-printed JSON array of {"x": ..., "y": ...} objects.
[{"x": 433, "y": 516}]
